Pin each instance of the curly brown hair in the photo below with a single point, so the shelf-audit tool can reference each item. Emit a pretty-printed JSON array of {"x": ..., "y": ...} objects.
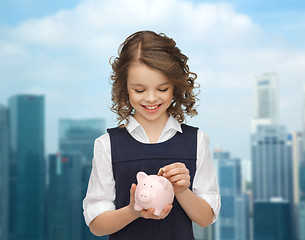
[{"x": 159, "y": 52}]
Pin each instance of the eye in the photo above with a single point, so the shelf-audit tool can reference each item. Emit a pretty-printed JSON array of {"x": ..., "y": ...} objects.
[
  {"x": 163, "y": 90},
  {"x": 139, "y": 91}
]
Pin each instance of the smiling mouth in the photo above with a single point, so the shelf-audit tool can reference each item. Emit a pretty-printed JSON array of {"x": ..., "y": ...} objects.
[{"x": 153, "y": 107}]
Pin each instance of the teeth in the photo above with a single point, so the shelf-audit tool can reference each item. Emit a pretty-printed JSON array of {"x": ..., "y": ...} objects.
[{"x": 151, "y": 108}]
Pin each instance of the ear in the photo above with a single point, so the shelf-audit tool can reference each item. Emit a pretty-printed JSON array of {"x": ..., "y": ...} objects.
[
  {"x": 141, "y": 176},
  {"x": 163, "y": 181}
]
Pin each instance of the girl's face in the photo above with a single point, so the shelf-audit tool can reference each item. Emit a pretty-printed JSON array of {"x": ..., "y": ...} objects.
[{"x": 150, "y": 93}]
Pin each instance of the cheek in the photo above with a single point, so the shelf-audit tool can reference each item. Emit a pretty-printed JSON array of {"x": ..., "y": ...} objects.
[
  {"x": 169, "y": 97},
  {"x": 133, "y": 98}
]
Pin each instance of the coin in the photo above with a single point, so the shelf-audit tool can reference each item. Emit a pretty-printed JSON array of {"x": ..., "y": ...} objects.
[{"x": 160, "y": 173}]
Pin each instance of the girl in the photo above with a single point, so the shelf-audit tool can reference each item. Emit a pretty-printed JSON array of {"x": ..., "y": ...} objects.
[{"x": 152, "y": 90}]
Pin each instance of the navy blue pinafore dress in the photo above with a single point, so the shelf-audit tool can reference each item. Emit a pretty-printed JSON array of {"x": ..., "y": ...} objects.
[{"x": 130, "y": 156}]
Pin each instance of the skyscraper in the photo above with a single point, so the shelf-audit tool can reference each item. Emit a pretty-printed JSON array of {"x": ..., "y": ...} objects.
[
  {"x": 27, "y": 167},
  {"x": 303, "y": 124},
  {"x": 64, "y": 199},
  {"x": 233, "y": 220},
  {"x": 297, "y": 154},
  {"x": 4, "y": 172},
  {"x": 301, "y": 210},
  {"x": 272, "y": 220},
  {"x": 77, "y": 136},
  {"x": 296, "y": 141},
  {"x": 272, "y": 168},
  {"x": 271, "y": 151},
  {"x": 265, "y": 99},
  {"x": 69, "y": 173},
  {"x": 271, "y": 164},
  {"x": 301, "y": 214}
]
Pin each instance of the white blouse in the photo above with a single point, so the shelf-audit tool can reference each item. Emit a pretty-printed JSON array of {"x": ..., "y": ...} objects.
[{"x": 101, "y": 188}]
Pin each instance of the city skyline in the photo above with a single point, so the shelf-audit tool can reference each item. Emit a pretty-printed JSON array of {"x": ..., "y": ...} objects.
[
  {"x": 68, "y": 172},
  {"x": 61, "y": 50}
]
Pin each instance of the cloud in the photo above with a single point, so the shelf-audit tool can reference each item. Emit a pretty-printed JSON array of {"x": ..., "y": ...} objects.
[
  {"x": 65, "y": 56},
  {"x": 102, "y": 22}
]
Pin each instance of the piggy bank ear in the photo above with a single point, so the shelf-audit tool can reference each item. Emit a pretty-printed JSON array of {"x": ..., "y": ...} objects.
[
  {"x": 141, "y": 176},
  {"x": 163, "y": 181}
]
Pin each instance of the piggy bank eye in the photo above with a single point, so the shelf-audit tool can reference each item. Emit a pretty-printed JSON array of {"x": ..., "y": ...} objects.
[
  {"x": 150, "y": 186},
  {"x": 144, "y": 184}
]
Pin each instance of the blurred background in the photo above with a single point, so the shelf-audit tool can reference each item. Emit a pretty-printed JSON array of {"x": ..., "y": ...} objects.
[{"x": 55, "y": 96}]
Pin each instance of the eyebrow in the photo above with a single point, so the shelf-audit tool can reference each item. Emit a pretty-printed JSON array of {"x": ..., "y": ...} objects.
[{"x": 141, "y": 85}]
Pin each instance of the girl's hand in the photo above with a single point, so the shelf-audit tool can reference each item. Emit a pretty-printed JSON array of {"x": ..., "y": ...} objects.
[
  {"x": 148, "y": 214},
  {"x": 178, "y": 174}
]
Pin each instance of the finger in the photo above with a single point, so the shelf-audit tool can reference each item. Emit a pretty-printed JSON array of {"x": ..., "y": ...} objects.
[
  {"x": 182, "y": 183},
  {"x": 151, "y": 215},
  {"x": 179, "y": 177},
  {"x": 166, "y": 211},
  {"x": 133, "y": 189},
  {"x": 147, "y": 214},
  {"x": 176, "y": 171},
  {"x": 173, "y": 166},
  {"x": 179, "y": 169}
]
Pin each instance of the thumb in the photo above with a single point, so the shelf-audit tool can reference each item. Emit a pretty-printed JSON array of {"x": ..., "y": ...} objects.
[{"x": 132, "y": 192}]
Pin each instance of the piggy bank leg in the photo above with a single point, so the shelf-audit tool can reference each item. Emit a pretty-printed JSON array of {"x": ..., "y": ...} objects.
[
  {"x": 137, "y": 207},
  {"x": 157, "y": 212}
]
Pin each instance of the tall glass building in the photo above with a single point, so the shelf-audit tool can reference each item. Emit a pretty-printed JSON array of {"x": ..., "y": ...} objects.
[
  {"x": 301, "y": 210},
  {"x": 272, "y": 220},
  {"x": 303, "y": 123},
  {"x": 266, "y": 99},
  {"x": 271, "y": 153},
  {"x": 64, "y": 201},
  {"x": 301, "y": 213},
  {"x": 296, "y": 140},
  {"x": 77, "y": 136},
  {"x": 4, "y": 172},
  {"x": 69, "y": 172},
  {"x": 233, "y": 220},
  {"x": 271, "y": 164},
  {"x": 27, "y": 167}
]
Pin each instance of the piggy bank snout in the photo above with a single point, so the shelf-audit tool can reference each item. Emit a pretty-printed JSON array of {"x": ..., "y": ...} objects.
[{"x": 144, "y": 196}]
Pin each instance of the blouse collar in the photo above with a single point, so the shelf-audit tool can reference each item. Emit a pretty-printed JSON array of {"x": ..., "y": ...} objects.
[{"x": 171, "y": 124}]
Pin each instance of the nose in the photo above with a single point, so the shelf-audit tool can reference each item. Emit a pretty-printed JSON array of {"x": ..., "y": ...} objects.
[
  {"x": 144, "y": 196},
  {"x": 151, "y": 97}
]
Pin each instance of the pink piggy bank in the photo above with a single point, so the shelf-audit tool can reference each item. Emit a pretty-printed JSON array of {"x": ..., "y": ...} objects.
[{"x": 153, "y": 192}]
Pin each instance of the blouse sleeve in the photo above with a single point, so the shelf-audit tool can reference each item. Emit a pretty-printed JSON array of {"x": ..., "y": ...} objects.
[
  {"x": 101, "y": 187},
  {"x": 205, "y": 183}
]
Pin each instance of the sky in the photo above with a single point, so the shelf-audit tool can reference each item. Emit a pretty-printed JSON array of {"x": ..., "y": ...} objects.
[{"x": 61, "y": 49}]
